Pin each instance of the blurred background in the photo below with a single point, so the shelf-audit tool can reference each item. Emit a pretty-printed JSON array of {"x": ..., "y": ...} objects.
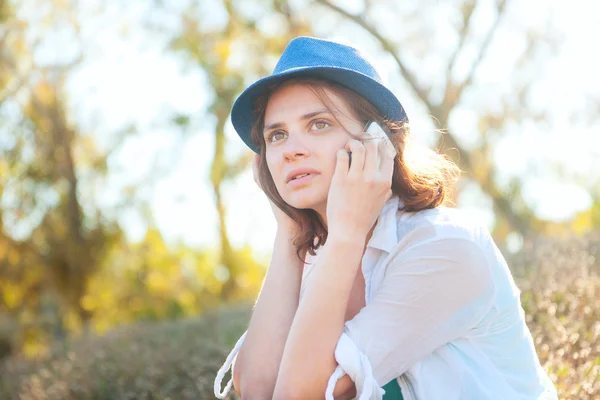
[{"x": 133, "y": 239}]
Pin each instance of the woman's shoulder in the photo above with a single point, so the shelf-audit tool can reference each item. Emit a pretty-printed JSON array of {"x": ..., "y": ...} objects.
[
  {"x": 447, "y": 238},
  {"x": 439, "y": 223}
]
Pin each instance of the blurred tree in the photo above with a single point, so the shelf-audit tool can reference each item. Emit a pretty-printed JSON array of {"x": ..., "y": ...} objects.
[
  {"x": 416, "y": 49},
  {"x": 52, "y": 235},
  {"x": 475, "y": 162},
  {"x": 65, "y": 264},
  {"x": 215, "y": 50}
]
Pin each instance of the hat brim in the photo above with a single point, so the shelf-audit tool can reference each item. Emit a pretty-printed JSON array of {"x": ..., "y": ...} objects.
[{"x": 242, "y": 116}]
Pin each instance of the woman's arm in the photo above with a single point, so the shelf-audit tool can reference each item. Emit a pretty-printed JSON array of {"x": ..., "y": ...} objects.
[
  {"x": 309, "y": 359},
  {"x": 258, "y": 361}
]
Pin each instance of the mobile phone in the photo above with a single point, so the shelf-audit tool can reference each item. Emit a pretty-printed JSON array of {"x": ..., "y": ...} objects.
[{"x": 376, "y": 132}]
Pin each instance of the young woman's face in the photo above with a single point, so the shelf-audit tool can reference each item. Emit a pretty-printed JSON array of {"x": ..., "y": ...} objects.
[{"x": 300, "y": 133}]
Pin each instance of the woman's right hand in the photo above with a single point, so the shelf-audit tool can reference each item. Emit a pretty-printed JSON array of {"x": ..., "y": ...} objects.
[{"x": 285, "y": 224}]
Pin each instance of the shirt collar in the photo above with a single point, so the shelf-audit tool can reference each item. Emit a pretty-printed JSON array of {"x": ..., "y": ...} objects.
[{"x": 385, "y": 234}]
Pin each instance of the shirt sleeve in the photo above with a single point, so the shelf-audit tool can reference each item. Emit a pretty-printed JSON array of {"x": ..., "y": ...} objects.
[
  {"x": 434, "y": 291},
  {"x": 229, "y": 362}
]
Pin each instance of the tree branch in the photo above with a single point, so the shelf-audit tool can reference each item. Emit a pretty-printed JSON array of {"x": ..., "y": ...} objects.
[
  {"x": 442, "y": 112},
  {"x": 482, "y": 53},
  {"x": 387, "y": 46},
  {"x": 467, "y": 14}
]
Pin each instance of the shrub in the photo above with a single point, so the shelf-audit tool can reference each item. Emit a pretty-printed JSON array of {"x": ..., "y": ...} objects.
[
  {"x": 167, "y": 360},
  {"x": 560, "y": 293}
]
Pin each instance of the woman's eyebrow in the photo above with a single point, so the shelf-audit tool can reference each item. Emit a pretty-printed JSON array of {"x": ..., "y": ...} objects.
[{"x": 304, "y": 117}]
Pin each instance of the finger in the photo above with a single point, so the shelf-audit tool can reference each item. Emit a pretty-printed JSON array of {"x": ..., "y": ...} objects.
[
  {"x": 371, "y": 157},
  {"x": 341, "y": 166},
  {"x": 358, "y": 156}
]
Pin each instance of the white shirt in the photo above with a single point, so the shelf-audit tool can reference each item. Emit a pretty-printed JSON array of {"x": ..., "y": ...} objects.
[{"x": 442, "y": 316}]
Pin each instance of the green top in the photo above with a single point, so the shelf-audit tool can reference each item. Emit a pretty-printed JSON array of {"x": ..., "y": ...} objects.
[{"x": 392, "y": 391}]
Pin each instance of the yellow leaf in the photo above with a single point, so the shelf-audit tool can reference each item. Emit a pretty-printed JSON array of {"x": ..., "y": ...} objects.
[{"x": 45, "y": 92}]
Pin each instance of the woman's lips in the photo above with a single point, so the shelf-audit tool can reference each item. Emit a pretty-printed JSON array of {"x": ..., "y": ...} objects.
[{"x": 301, "y": 181}]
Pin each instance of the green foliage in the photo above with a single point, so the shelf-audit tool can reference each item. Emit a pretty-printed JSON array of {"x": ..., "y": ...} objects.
[
  {"x": 52, "y": 234},
  {"x": 73, "y": 271},
  {"x": 155, "y": 282}
]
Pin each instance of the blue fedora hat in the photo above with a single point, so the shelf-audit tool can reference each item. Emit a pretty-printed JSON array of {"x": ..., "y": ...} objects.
[{"x": 311, "y": 57}]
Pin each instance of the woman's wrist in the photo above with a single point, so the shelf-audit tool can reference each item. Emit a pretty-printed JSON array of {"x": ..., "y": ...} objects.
[
  {"x": 350, "y": 240},
  {"x": 346, "y": 238},
  {"x": 284, "y": 242}
]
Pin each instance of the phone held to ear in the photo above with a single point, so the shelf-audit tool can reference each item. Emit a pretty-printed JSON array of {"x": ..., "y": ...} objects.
[{"x": 374, "y": 130}]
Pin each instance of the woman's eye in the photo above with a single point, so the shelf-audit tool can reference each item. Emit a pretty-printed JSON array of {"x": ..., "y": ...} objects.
[
  {"x": 321, "y": 124},
  {"x": 273, "y": 135}
]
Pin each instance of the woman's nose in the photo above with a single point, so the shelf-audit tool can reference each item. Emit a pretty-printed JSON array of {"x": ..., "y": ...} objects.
[{"x": 295, "y": 147}]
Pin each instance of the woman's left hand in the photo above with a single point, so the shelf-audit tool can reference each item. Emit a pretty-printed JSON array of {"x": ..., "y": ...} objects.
[{"x": 357, "y": 194}]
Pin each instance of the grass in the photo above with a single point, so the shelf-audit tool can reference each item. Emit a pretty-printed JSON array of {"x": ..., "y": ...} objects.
[
  {"x": 559, "y": 280},
  {"x": 168, "y": 360}
]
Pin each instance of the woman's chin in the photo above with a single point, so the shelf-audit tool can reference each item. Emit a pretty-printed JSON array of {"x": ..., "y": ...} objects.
[{"x": 302, "y": 200}]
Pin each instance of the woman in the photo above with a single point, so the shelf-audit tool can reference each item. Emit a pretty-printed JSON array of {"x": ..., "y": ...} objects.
[{"x": 400, "y": 297}]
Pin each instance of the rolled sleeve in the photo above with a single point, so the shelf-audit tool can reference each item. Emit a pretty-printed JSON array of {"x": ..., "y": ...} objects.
[
  {"x": 433, "y": 292},
  {"x": 356, "y": 364},
  {"x": 229, "y": 362}
]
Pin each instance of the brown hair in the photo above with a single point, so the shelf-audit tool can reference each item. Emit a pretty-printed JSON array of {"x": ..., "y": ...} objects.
[{"x": 422, "y": 178}]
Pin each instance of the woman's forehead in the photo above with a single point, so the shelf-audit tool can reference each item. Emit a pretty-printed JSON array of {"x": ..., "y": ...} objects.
[{"x": 294, "y": 100}]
